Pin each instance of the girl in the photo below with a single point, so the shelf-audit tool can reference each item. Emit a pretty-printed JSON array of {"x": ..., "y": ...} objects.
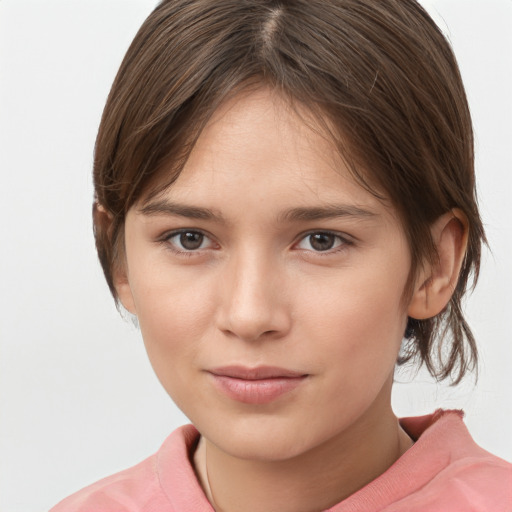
[{"x": 285, "y": 199}]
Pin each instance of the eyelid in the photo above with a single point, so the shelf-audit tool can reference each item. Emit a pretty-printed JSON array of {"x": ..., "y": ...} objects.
[
  {"x": 168, "y": 235},
  {"x": 346, "y": 240}
]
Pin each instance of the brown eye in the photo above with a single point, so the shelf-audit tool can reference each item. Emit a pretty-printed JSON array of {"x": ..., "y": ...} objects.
[
  {"x": 188, "y": 241},
  {"x": 322, "y": 242},
  {"x": 191, "y": 240}
]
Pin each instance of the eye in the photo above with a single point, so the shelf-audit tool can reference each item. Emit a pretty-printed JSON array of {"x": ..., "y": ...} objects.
[
  {"x": 322, "y": 241},
  {"x": 188, "y": 241}
]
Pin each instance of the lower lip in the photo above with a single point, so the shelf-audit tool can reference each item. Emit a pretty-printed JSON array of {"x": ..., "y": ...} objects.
[{"x": 260, "y": 391}]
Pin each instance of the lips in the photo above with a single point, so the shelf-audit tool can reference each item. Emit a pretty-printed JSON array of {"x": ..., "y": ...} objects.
[
  {"x": 261, "y": 372},
  {"x": 259, "y": 385}
]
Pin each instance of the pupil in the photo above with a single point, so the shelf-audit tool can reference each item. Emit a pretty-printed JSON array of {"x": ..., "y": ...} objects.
[
  {"x": 191, "y": 240},
  {"x": 322, "y": 241}
]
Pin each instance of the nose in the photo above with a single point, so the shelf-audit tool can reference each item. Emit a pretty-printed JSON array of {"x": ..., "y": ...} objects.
[{"x": 253, "y": 302}]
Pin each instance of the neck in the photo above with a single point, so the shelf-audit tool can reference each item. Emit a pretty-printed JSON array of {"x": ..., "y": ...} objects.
[{"x": 314, "y": 480}]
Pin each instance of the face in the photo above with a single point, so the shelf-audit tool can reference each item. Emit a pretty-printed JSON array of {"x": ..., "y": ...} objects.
[{"x": 268, "y": 285}]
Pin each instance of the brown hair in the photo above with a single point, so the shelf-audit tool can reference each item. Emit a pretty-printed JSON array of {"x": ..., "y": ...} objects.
[{"x": 381, "y": 73}]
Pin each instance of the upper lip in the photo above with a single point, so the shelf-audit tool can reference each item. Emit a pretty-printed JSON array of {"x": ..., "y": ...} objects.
[{"x": 257, "y": 373}]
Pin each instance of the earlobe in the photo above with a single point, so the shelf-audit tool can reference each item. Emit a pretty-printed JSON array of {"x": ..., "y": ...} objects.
[{"x": 437, "y": 281}]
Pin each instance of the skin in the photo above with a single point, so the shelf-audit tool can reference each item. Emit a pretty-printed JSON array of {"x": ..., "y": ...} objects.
[{"x": 257, "y": 291}]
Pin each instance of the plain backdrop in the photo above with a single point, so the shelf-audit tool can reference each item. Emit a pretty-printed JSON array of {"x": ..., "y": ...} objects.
[{"x": 78, "y": 399}]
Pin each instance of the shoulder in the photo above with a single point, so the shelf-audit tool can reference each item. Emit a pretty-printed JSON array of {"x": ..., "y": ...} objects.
[
  {"x": 472, "y": 484},
  {"x": 130, "y": 490},
  {"x": 464, "y": 476},
  {"x": 138, "y": 488}
]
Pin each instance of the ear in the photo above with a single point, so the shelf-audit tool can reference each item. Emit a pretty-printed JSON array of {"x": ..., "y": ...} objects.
[
  {"x": 123, "y": 288},
  {"x": 436, "y": 282},
  {"x": 103, "y": 222}
]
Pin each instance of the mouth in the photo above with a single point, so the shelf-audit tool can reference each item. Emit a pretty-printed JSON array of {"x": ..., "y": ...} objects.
[{"x": 260, "y": 385}]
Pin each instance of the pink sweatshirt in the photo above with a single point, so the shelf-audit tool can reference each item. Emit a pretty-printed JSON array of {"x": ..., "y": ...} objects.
[{"x": 445, "y": 470}]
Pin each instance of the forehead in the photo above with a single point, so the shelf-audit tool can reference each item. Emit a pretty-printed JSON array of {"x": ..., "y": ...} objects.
[{"x": 258, "y": 141}]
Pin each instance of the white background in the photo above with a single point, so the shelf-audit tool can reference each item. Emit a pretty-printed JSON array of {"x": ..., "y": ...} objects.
[{"x": 78, "y": 399}]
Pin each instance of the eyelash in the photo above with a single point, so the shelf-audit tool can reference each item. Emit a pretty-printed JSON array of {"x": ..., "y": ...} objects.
[
  {"x": 343, "y": 242},
  {"x": 166, "y": 239}
]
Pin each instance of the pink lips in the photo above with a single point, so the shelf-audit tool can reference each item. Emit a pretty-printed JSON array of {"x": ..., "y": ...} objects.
[{"x": 259, "y": 385}]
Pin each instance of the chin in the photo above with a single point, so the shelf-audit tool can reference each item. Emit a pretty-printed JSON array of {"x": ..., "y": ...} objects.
[
  {"x": 263, "y": 449},
  {"x": 264, "y": 438}
]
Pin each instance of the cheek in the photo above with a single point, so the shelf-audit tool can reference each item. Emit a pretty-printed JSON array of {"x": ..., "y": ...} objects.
[
  {"x": 169, "y": 300},
  {"x": 174, "y": 312},
  {"x": 357, "y": 319},
  {"x": 357, "y": 334}
]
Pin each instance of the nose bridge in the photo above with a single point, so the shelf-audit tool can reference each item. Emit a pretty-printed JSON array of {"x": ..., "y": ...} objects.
[{"x": 253, "y": 301}]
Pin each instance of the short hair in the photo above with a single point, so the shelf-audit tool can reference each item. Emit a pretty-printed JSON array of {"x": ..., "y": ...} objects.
[{"x": 380, "y": 74}]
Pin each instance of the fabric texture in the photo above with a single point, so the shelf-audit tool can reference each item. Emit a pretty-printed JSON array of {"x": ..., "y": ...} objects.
[{"x": 445, "y": 470}]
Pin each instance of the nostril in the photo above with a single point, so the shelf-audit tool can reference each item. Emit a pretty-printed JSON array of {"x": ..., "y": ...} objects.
[{"x": 253, "y": 328}]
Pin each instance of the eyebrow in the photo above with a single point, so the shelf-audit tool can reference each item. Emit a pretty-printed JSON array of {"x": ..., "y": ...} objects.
[
  {"x": 292, "y": 215},
  {"x": 180, "y": 210},
  {"x": 325, "y": 212}
]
